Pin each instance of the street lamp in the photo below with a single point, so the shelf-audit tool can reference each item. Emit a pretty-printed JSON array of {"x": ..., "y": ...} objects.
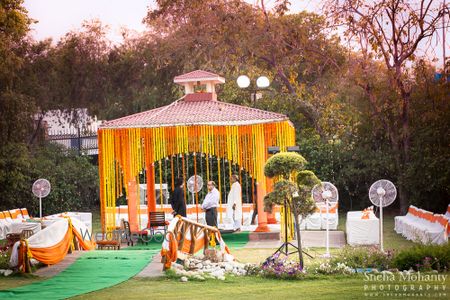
[
  {"x": 273, "y": 149},
  {"x": 261, "y": 83},
  {"x": 276, "y": 149}
]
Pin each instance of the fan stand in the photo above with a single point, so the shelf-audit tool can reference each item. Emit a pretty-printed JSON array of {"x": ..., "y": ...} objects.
[
  {"x": 327, "y": 253},
  {"x": 196, "y": 206},
  {"x": 284, "y": 248},
  {"x": 40, "y": 206},
  {"x": 381, "y": 224}
]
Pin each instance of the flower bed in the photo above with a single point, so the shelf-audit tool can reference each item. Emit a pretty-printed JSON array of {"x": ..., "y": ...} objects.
[
  {"x": 330, "y": 268},
  {"x": 364, "y": 257},
  {"x": 4, "y": 262},
  {"x": 4, "y": 259},
  {"x": 274, "y": 266}
]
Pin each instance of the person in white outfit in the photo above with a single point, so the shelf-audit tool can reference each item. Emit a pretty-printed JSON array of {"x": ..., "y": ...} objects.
[{"x": 234, "y": 203}]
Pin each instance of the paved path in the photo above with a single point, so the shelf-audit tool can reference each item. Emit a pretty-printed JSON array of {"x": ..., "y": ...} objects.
[
  {"x": 53, "y": 270},
  {"x": 153, "y": 269}
]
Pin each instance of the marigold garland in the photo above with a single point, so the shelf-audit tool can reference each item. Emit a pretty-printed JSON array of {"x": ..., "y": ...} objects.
[{"x": 125, "y": 152}]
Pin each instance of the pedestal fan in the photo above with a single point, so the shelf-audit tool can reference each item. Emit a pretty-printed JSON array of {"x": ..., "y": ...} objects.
[
  {"x": 326, "y": 193},
  {"x": 194, "y": 185},
  {"x": 41, "y": 188},
  {"x": 382, "y": 193}
]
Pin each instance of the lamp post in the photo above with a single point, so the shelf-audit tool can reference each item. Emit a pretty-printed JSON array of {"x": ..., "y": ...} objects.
[{"x": 261, "y": 83}]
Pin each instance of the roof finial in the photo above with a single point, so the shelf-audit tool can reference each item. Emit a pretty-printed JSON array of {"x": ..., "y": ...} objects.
[{"x": 199, "y": 85}]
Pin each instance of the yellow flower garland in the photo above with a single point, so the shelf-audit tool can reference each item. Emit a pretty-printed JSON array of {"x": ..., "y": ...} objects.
[{"x": 124, "y": 152}]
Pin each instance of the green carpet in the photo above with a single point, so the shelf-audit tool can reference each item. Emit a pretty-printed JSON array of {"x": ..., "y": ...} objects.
[
  {"x": 236, "y": 240},
  {"x": 96, "y": 270},
  {"x": 152, "y": 245},
  {"x": 93, "y": 271},
  {"x": 233, "y": 241}
]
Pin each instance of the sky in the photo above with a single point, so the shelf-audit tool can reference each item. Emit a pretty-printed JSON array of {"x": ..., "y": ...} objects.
[{"x": 57, "y": 17}]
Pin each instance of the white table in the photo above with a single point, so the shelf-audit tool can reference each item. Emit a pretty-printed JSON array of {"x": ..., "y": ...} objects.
[
  {"x": 17, "y": 227},
  {"x": 85, "y": 217},
  {"x": 362, "y": 231}
]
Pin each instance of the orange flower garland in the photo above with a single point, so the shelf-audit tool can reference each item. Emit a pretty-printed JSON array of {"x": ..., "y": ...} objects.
[{"x": 125, "y": 152}]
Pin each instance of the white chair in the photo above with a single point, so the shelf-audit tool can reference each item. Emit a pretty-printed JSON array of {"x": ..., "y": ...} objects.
[{"x": 436, "y": 233}]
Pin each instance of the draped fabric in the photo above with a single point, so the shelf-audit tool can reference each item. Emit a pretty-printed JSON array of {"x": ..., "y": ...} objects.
[{"x": 51, "y": 244}]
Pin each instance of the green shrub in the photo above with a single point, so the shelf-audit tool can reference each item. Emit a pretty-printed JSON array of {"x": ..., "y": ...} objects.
[
  {"x": 74, "y": 179},
  {"x": 424, "y": 258},
  {"x": 283, "y": 164},
  {"x": 363, "y": 257},
  {"x": 4, "y": 259}
]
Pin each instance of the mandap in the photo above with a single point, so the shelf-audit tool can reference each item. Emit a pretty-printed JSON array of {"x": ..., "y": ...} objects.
[{"x": 132, "y": 149}]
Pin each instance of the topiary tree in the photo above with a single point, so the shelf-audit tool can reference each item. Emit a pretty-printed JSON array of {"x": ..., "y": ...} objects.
[{"x": 293, "y": 188}]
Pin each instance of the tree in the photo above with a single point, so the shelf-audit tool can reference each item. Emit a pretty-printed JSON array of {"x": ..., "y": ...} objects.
[
  {"x": 292, "y": 189},
  {"x": 71, "y": 75},
  {"x": 73, "y": 177},
  {"x": 229, "y": 36},
  {"x": 15, "y": 108},
  {"x": 14, "y": 25},
  {"x": 389, "y": 32},
  {"x": 15, "y": 178}
]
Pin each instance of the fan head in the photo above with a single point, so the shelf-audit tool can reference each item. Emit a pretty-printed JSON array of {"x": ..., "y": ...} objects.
[
  {"x": 325, "y": 191},
  {"x": 195, "y": 184},
  {"x": 382, "y": 192},
  {"x": 41, "y": 188}
]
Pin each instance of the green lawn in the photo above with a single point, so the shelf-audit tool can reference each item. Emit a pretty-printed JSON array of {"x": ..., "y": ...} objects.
[
  {"x": 17, "y": 280},
  {"x": 330, "y": 287},
  {"x": 233, "y": 288}
]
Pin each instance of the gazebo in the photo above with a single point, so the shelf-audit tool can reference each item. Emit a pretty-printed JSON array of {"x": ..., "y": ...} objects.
[{"x": 196, "y": 123}]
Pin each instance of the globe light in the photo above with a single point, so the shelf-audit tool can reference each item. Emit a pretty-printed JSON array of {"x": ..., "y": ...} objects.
[
  {"x": 243, "y": 81},
  {"x": 262, "y": 82}
]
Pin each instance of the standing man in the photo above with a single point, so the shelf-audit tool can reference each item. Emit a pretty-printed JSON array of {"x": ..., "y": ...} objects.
[
  {"x": 210, "y": 204},
  {"x": 234, "y": 203},
  {"x": 255, "y": 203},
  {"x": 177, "y": 200}
]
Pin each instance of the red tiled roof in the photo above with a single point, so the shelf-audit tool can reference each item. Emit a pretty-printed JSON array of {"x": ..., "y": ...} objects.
[
  {"x": 198, "y": 74},
  {"x": 200, "y": 97},
  {"x": 183, "y": 112}
]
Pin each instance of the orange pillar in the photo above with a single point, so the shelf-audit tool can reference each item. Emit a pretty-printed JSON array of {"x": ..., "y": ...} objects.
[
  {"x": 151, "y": 200},
  {"x": 132, "y": 205},
  {"x": 262, "y": 215},
  {"x": 270, "y": 216}
]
